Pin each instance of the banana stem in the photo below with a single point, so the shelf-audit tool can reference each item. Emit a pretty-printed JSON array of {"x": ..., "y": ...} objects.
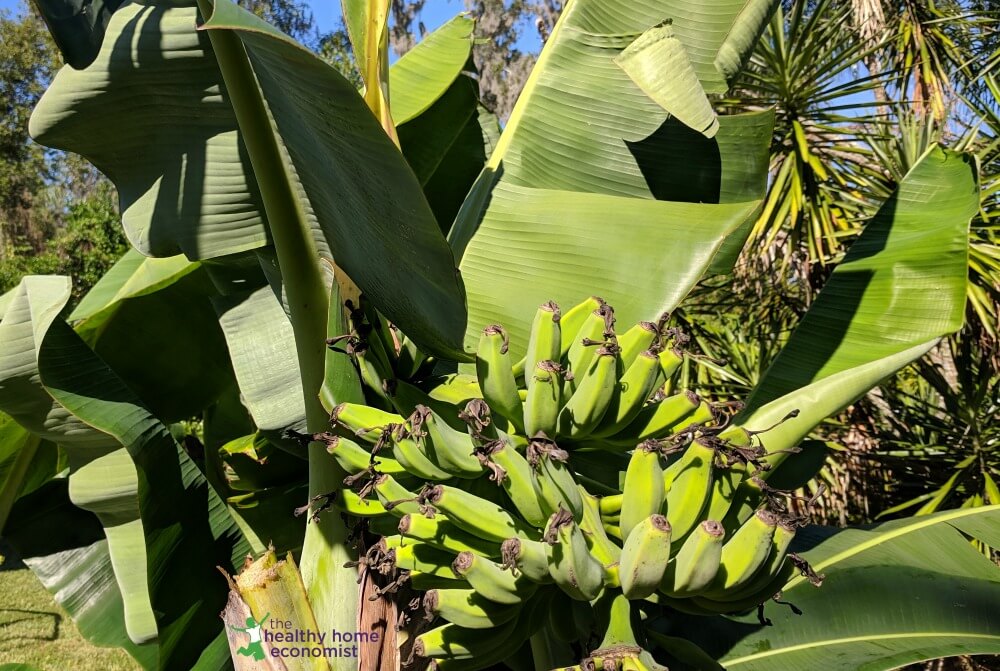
[
  {"x": 332, "y": 590},
  {"x": 274, "y": 592},
  {"x": 619, "y": 633}
]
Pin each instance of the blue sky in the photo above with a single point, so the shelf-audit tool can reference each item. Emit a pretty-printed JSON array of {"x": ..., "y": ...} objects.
[{"x": 327, "y": 12}]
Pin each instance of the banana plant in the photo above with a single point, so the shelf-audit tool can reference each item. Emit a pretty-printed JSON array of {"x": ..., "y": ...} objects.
[{"x": 297, "y": 273}]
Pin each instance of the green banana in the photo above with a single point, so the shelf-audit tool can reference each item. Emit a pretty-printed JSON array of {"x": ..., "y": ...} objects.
[
  {"x": 396, "y": 498},
  {"x": 477, "y": 516},
  {"x": 408, "y": 452},
  {"x": 347, "y": 501},
  {"x": 468, "y": 608},
  {"x": 572, "y": 322},
  {"x": 531, "y": 617},
  {"x": 784, "y": 533},
  {"x": 374, "y": 370},
  {"x": 571, "y": 565},
  {"x": 611, "y": 505},
  {"x": 396, "y": 541},
  {"x": 355, "y": 459},
  {"x": 451, "y": 641},
  {"x": 553, "y": 480},
  {"x": 517, "y": 479},
  {"x": 449, "y": 448},
  {"x": 635, "y": 387},
  {"x": 490, "y": 580},
  {"x": 688, "y": 484},
  {"x": 597, "y": 329},
  {"x": 745, "y": 553},
  {"x": 644, "y": 557},
  {"x": 770, "y": 588},
  {"x": 529, "y": 558},
  {"x": 603, "y": 549},
  {"x": 725, "y": 483},
  {"x": 670, "y": 361},
  {"x": 697, "y": 562},
  {"x": 593, "y": 390},
  {"x": 643, "y": 491},
  {"x": 450, "y": 390},
  {"x": 543, "y": 402},
  {"x": 439, "y": 532},
  {"x": 496, "y": 376},
  {"x": 660, "y": 418},
  {"x": 641, "y": 337},
  {"x": 423, "y": 558},
  {"x": 545, "y": 340},
  {"x": 364, "y": 421}
]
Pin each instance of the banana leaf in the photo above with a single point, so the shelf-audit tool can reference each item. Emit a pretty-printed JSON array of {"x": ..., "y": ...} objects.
[
  {"x": 77, "y": 26},
  {"x": 64, "y": 546},
  {"x": 26, "y": 463},
  {"x": 152, "y": 321},
  {"x": 195, "y": 191},
  {"x": 893, "y": 594},
  {"x": 593, "y": 178},
  {"x": 897, "y": 291},
  {"x": 424, "y": 73},
  {"x": 445, "y": 135},
  {"x": 166, "y": 528}
]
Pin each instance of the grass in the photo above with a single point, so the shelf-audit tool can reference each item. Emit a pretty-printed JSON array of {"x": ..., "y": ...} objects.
[{"x": 35, "y": 630}]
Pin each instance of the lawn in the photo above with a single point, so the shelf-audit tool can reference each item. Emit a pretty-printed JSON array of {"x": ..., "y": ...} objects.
[{"x": 35, "y": 630}]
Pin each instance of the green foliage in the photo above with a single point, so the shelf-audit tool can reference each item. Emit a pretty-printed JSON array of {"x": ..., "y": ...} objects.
[
  {"x": 335, "y": 49},
  {"x": 278, "y": 197},
  {"x": 27, "y": 62},
  {"x": 88, "y": 243}
]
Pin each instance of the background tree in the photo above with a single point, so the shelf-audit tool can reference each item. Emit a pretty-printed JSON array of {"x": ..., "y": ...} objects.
[
  {"x": 57, "y": 213},
  {"x": 27, "y": 60}
]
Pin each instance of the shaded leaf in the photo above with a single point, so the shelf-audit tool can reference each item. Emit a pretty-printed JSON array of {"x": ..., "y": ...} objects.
[
  {"x": 77, "y": 26},
  {"x": 152, "y": 321},
  {"x": 166, "y": 529},
  {"x": 900, "y": 287}
]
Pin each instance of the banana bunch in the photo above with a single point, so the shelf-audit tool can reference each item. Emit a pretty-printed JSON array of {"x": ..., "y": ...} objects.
[{"x": 480, "y": 505}]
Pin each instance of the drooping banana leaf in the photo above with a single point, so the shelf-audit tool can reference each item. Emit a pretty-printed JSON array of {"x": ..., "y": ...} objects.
[
  {"x": 583, "y": 132},
  {"x": 166, "y": 528},
  {"x": 64, "y": 546},
  {"x": 262, "y": 351},
  {"x": 26, "y": 463},
  {"x": 152, "y": 321},
  {"x": 898, "y": 290},
  {"x": 195, "y": 191},
  {"x": 894, "y": 594},
  {"x": 77, "y": 26}
]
